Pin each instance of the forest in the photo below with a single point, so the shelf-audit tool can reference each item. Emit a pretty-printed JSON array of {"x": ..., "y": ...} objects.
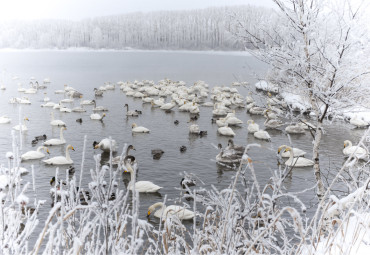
[{"x": 206, "y": 29}]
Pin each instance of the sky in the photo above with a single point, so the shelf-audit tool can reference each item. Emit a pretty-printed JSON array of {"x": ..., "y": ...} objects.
[{"x": 80, "y": 9}]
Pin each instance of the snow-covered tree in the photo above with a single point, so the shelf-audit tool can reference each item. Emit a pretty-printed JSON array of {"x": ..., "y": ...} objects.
[{"x": 316, "y": 49}]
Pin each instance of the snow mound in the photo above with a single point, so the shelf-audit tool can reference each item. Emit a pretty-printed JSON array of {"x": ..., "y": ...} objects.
[
  {"x": 266, "y": 86},
  {"x": 296, "y": 102}
]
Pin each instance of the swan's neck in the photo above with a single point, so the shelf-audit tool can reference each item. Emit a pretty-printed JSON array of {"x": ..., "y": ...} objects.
[
  {"x": 349, "y": 144},
  {"x": 291, "y": 155},
  {"x": 68, "y": 157},
  {"x": 61, "y": 134},
  {"x": 160, "y": 205}
]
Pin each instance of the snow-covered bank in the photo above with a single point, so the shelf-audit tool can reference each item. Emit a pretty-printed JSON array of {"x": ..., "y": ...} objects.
[{"x": 84, "y": 49}]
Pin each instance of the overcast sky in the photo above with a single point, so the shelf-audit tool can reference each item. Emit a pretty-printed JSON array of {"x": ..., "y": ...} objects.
[{"x": 79, "y": 9}]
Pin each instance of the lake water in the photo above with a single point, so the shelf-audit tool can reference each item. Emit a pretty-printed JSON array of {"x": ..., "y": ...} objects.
[{"x": 86, "y": 70}]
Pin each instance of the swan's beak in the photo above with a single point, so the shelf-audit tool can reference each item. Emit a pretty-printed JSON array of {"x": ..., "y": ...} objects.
[
  {"x": 344, "y": 146},
  {"x": 73, "y": 148},
  {"x": 279, "y": 150},
  {"x": 148, "y": 214},
  {"x": 48, "y": 151}
]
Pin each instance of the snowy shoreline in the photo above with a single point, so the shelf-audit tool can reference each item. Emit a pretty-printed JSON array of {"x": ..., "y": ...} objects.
[{"x": 84, "y": 49}]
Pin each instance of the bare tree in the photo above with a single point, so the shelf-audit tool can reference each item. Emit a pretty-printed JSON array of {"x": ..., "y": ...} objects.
[{"x": 317, "y": 50}]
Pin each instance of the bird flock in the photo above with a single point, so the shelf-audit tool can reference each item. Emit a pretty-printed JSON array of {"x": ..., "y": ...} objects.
[{"x": 167, "y": 95}]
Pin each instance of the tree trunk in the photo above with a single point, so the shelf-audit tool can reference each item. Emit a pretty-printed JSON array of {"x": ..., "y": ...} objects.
[{"x": 320, "y": 191}]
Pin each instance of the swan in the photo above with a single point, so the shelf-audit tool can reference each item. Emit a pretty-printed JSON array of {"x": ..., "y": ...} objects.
[
  {"x": 294, "y": 129},
  {"x": 232, "y": 120},
  {"x": 227, "y": 131},
  {"x": 61, "y": 160},
  {"x": 48, "y": 104},
  {"x": 168, "y": 106},
  {"x": 297, "y": 162},
  {"x": 87, "y": 102},
  {"x": 270, "y": 122},
  {"x": 24, "y": 127},
  {"x": 221, "y": 122},
  {"x": 286, "y": 154},
  {"x": 359, "y": 123},
  {"x": 104, "y": 145},
  {"x": 140, "y": 186},
  {"x": 118, "y": 159},
  {"x": 5, "y": 119},
  {"x": 37, "y": 154},
  {"x": 56, "y": 141},
  {"x": 99, "y": 108},
  {"x": 227, "y": 156},
  {"x": 130, "y": 113},
  {"x": 194, "y": 108},
  {"x": 306, "y": 125},
  {"x": 178, "y": 211},
  {"x": 136, "y": 129},
  {"x": 96, "y": 116},
  {"x": 239, "y": 150},
  {"x": 262, "y": 134},
  {"x": 194, "y": 129},
  {"x": 256, "y": 110},
  {"x": 357, "y": 151},
  {"x": 65, "y": 109},
  {"x": 252, "y": 127},
  {"x": 54, "y": 122}
]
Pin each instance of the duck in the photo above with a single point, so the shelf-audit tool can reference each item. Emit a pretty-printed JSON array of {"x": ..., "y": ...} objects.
[
  {"x": 296, "y": 162},
  {"x": 97, "y": 116},
  {"x": 54, "y": 122},
  {"x": 5, "y": 119},
  {"x": 139, "y": 129},
  {"x": 183, "y": 148},
  {"x": 37, "y": 154},
  {"x": 157, "y": 153},
  {"x": 61, "y": 160},
  {"x": 176, "y": 122},
  {"x": 34, "y": 142},
  {"x": 226, "y": 131},
  {"x": 357, "y": 151},
  {"x": 105, "y": 145},
  {"x": 252, "y": 127},
  {"x": 227, "y": 156},
  {"x": 24, "y": 127},
  {"x": 172, "y": 210},
  {"x": 286, "y": 154},
  {"x": 140, "y": 186},
  {"x": 294, "y": 129},
  {"x": 262, "y": 134},
  {"x": 56, "y": 141},
  {"x": 79, "y": 120},
  {"x": 41, "y": 137},
  {"x": 130, "y": 113}
]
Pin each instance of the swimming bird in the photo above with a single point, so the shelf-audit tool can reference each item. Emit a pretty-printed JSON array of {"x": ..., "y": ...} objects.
[
  {"x": 99, "y": 108},
  {"x": 139, "y": 129},
  {"x": 55, "y": 122},
  {"x": 24, "y": 127},
  {"x": 357, "y": 151},
  {"x": 56, "y": 141},
  {"x": 359, "y": 123},
  {"x": 79, "y": 120},
  {"x": 117, "y": 160},
  {"x": 194, "y": 129},
  {"x": 176, "y": 122},
  {"x": 157, "y": 153},
  {"x": 140, "y": 186},
  {"x": 270, "y": 122},
  {"x": 41, "y": 137},
  {"x": 239, "y": 150},
  {"x": 37, "y": 154},
  {"x": 262, "y": 134},
  {"x": 226, "y": 131},
  {"x": 130, "y": 113},
  {"x": 286, "y": 154},
  {"x": 61, "y": 160},
  {"x": 183, "y": 148},
  {"x": 97, "y": 116},
  {"x": 252, "y": 127},
  {"x": 296, "y": 162},
  {"x": 105, "y": 145},
  {"x": 172, "y": 210},
  {"x": 227, "y": 156},
  {"x": 5, "y": 120},
  {"x": 294, "y": 129}
]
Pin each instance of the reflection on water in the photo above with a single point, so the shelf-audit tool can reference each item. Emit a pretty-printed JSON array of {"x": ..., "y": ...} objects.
[{"x": 71, "y": 68}]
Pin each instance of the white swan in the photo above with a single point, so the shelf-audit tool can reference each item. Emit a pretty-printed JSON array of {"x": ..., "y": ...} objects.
[
  {"x": 227, "y": 131},
  {"x": 5, "y": 119},
  {"x": 194, "y": 129},
  {"x": 104, "y": 145},
  {"x": 360, "y": 123},
  {"x": 252, "y": 127},
  {"x": 87, "y": 102},
  {"x": 136, "y": 129},
  {"x": 262, "y": 134},
  {"x": 37, "y": 154},
  {"x": 140, "y": 186},
  {"x": 178, "y": 211},
  {"x": 97, "y": 116},
  {"x": 232, "y": 120},
  {"x": 286, "y": 154},
  {"x": 357, "y": 151},
  {"x": 24, "y": 127},
  {"x": 271, "y": 122},
  {"x": 99, "y": 108},
  {"x": 56, "y": 141},
  {"x": 227, "y": 155},
  {"x": 55, "y": 122},
  {"x": 168, "y": 106},
  {"x": 296, "y": 162},
  {"x": 294, "y": 129},
  {"x": 60, "y": 160}
]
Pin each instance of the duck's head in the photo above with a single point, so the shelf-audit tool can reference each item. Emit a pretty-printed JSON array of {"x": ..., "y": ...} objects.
[
  {"x": 52, "y": 181},
  {"x": 95, "y": 144}
]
